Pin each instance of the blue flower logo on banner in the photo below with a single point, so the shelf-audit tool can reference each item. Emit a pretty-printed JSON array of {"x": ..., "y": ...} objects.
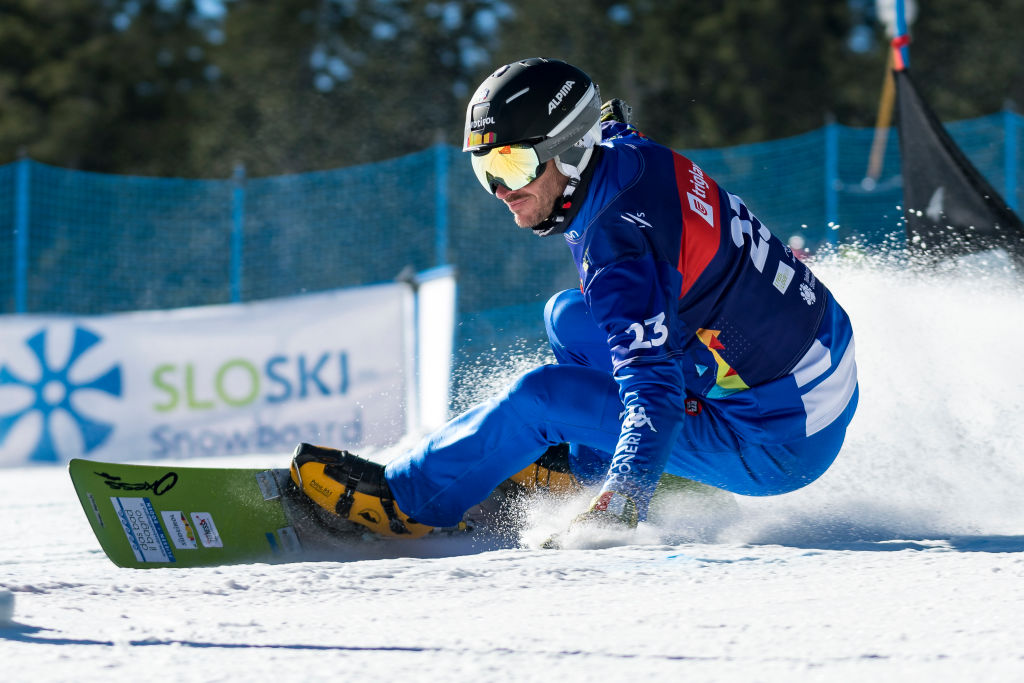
[{"x": 53, "y": 391}]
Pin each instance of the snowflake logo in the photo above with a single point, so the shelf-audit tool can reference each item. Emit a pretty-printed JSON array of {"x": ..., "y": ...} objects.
[
  {"x": 53, "y": 391},
  {"x": 807, "y": 293}
]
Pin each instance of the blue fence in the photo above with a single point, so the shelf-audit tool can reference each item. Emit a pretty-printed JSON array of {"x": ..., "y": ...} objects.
[{"x": 83, "y": 243}]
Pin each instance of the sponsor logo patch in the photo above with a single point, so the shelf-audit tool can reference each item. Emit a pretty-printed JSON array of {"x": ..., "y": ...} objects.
[
  {"x": 182, "y": 535},
  {"x": 142, "y": 528},
  {"x": 208, "y": 534},
  {"x": 783, "y": 276},
  {"x": 692, "y": 407},
  {"x": 698, "y": 195},
  {"x": 808, "y": 294},
  {"x": 702, "y": 208},
  {"x": 636, "y": 219},
  {"x": 96, "y": 510}
]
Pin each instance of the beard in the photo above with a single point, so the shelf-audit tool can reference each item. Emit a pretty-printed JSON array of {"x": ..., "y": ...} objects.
[{"x": 536, "y": 219}]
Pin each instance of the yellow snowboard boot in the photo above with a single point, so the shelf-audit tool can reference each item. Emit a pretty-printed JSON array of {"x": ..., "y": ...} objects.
[
  {"x": 549, "y": 474},
  {"x": 352, "y": 488}
]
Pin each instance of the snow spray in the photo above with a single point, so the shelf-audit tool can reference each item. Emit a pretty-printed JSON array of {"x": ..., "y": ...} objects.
[{"x": 934, "y": 450}]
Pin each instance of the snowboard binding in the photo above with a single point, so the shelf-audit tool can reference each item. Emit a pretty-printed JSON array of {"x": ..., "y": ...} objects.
[{"x": 351, "y": 489}]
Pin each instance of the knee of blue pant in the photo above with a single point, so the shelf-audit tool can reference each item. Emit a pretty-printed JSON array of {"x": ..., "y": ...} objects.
[
  {"x": 574, "y": 336},
  {"x": 562, "y": 312}
]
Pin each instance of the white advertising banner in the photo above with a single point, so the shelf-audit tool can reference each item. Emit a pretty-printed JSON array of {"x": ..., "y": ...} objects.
[{"x": 330, "y": 368}]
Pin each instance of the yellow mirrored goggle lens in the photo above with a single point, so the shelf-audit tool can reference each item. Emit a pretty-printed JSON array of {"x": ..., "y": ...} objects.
[{"x": 513, "y": 166}]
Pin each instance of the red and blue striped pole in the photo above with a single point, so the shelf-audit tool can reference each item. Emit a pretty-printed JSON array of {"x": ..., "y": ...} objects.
[{"x": 901, "y": 42}]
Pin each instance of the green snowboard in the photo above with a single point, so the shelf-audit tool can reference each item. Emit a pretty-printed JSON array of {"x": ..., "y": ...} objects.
[{"x": 148, "y": 516}]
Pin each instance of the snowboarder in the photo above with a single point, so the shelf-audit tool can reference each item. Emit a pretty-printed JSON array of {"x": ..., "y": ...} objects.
[{"x": 697, "y": 344}]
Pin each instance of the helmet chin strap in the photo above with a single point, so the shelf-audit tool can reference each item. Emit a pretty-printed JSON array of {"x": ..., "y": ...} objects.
[{"x": 555, "y": 222}]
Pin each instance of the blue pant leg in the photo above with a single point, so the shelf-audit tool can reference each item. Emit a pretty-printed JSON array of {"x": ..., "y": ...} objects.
[
  {"x": 577, "y": 340},
  {"x": 459, "y": 465},
  {"x": 710, "y": 451}
]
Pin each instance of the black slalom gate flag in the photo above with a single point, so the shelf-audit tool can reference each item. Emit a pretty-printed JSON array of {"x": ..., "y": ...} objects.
[{"x": 950, "y": 208}]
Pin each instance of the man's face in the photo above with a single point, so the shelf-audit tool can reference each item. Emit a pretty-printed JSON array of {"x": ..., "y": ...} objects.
[{"x": 532, "y": 203}]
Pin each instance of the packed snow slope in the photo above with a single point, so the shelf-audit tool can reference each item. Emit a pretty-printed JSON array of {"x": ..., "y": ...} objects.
[{"x": 906, "y": 560}]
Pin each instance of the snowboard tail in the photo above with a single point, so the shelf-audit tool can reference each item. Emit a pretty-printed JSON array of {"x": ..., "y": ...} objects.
[{"x": 148, "y": 516}]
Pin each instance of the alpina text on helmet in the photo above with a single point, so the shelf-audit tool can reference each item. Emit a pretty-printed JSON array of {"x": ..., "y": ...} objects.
[{"x": 562, "y": 92}]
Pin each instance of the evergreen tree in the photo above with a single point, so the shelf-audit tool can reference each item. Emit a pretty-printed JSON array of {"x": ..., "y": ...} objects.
[
  {"x": 968, "y": 57},
  {"x": 327, "y": 84},
  {"x": 160, "y": 87},
  {"x": 708, "y": 73},
  {"x": 97, "y": 85}
]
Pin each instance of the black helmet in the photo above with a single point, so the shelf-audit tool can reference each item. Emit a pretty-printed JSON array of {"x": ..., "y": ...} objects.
[{"x": 546, "y": 105}]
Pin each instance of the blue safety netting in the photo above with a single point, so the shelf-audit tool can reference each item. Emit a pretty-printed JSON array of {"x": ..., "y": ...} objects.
[
  {"x": 83, "y": 243},
  {"x": 8, "y": 234}
]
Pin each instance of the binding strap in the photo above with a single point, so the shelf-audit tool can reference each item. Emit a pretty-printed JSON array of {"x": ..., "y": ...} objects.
[
  {"x": 396, "y": 525},
  {"x": 354, "y": 471},
  {"x": 353, "y": 476}
]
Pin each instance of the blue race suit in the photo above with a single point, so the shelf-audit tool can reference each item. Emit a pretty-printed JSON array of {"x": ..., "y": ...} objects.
[{"x": 697, "y": 345}]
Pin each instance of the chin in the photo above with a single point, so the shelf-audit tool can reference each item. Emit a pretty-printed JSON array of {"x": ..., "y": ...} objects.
[{"x": 526, "y": 222}]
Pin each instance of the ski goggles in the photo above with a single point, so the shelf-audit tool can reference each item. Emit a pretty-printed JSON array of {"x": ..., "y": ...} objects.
[{"x": 513, "y": 166}]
